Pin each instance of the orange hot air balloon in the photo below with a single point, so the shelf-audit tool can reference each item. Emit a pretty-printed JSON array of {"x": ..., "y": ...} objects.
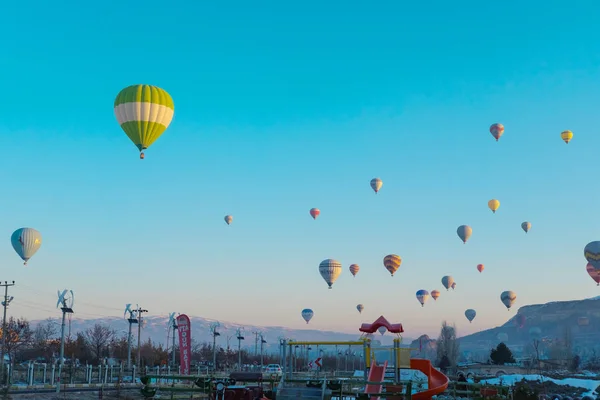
[
  {"x": 435, "y": 294},
  {"x": 480, "y": 267},
  {"x": 594, "y": 273},
  {"x": 314, "y": 212},
  {"x": 354, "y": 268},
  {"x": 392, "y": 262}
]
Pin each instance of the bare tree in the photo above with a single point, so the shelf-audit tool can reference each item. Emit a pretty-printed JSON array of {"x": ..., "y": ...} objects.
[
  {"x": 44, "y": 338},
  {"x": 447, "y": 347},
  {"x": 98, "y": 337},
  {"x": 18, "y": 335}
]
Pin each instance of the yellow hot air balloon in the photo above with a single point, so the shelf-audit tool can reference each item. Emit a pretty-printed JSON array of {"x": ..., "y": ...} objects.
[
  {"x": 144, "y": 113},
  {"x": 392, "y": 262},
  {"x": 493, "y": 205},
  {"x": 566, "y": 136}
]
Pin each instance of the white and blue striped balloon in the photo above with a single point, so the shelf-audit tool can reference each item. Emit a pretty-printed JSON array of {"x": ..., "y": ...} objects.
[
  {"x": 307, "y": 314},
  {"x": 26, "y": 242}
]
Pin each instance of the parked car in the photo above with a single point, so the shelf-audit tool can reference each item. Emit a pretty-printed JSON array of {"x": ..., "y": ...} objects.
[{"x": 274, "y": 369}]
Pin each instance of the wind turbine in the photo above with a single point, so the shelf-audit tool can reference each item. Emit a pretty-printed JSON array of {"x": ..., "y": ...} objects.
[
  {"x": 213, "y": 330},
  {"x": 240, "y": 336},
  {"x": 66, "y": 303},
  {"x": 171, "y": 325},
  {"x": 132, "y": 320}
]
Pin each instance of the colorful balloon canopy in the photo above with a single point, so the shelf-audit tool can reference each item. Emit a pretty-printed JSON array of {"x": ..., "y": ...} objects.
[
  {"x": 330, "y": 270},
  {"x": 526, "y": 226},
  {"x": 392, "y": 262},
  {"x": 593, "y": 273},
  {"x": 26, "y": 242},
  {"x": 422, "y": 296},
  {"x": 464, "y": 232},
  {"x": 566, "y": 136},
  {"x": 360, "y": 308},
  {"x": 447, "y": 281},
  {"x": 508, "y": 298},
  {"x": 382, "y": 330},
  {"x": 144, "y": 113},
  {"x": 470, "y": 314},
  {"x": 376, "y": 184},
  {"x": 592, "y": 254},
  {"x": 480, "y": 267},
  {"x": 354, "y": 268},
  {"x": 493, "y": 205},
  {"x": 314, "y": 212},
  {"x": 229, "y": 219},
  {"x": 435, "y": 294},
  {"x": 497, "y": 130},
  {"x": 307, "y": 314}
]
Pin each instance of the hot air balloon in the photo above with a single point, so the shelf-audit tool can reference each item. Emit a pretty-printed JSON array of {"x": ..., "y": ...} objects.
[
  {"x": 453, "y": 285},
  {"x": 382, "y": 330},
  {"x": 566, "y": 136},
  {"x": 592, "y": 254},
  {"x": 307, "y": 314},
  {"x": 435, "y": 294},
  {"x": 464, "y": 232},
  {"x": 502, "y": 337},
  {"x": 493, "y": 205},
  {"x": 144, "y": 113},
  {"x": 497, "y": 130},
  {"x": 360, "y": 308},
  {"x": 376, "y": 184},
  {"x": 594, "y": 273},
  {"x": 447, "y": 281},
  {"x": 26, "y": 242},
  {"x": 508, "y": 298},
  {"x": 330, "y": 270},
  {"x": 480, "y": 267},
  {"x": 314, "y": 212},
  {"x": 520, "y": 320},
  {"x": 535, "y": 333},
  {"x": 229, "y": 219},
  {"x": 354, "y": 268},
  {"x": 470, "y": 314},
  {"x": 526, "y": 226},
  {"x": 422, "y": 296},
  {"x": 392, "y": 262}
]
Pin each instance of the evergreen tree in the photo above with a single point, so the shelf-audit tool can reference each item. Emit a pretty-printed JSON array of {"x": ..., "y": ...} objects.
[{"x": 501, "y": 355}]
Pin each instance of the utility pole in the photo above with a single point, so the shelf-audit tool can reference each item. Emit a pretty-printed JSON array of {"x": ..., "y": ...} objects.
[
  {"x": 5, "y": 304},
  {"x": 139, "y": 312},
  {"x": 240, "y": 337},
  {"x": 132, "y": 320}
]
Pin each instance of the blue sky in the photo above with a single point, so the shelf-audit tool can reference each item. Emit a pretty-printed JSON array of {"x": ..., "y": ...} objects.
[{"x": 280, "y": 108}]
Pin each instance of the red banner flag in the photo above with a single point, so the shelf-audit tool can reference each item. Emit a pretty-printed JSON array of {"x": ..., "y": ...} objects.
[{"x": 185, "y": 344}]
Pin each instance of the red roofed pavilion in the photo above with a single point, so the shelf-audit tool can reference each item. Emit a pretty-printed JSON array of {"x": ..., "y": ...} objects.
[{"x": 379, "y": 322}]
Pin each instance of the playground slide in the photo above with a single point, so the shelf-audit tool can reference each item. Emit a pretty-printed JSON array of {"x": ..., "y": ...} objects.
[
  {"x": 437, "y": 382},
  {"x": 376, "y": 374}
]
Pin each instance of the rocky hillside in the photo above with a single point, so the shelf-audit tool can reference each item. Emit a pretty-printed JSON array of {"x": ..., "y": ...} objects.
[{"x": 552, "y": 324}]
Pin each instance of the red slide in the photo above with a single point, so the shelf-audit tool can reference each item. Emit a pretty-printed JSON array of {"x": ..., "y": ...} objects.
[
  {"x": 436, "y": 381},
  {"x": 376, "y": 374}
]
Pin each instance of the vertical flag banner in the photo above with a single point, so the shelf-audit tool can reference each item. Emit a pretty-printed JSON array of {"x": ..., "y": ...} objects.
[{"x": 185, "y": 344}]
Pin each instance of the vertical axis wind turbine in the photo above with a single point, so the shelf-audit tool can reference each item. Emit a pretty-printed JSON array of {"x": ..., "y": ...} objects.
[
  {"x": 131, "y": 320},
  {"x": 66, "y": 306},
  {"x": 171, "y": 325},
  {"x": 213, "y": 329}
]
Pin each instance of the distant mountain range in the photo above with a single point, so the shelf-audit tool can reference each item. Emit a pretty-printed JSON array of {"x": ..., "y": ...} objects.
[{"x": 156, "y": 329}]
